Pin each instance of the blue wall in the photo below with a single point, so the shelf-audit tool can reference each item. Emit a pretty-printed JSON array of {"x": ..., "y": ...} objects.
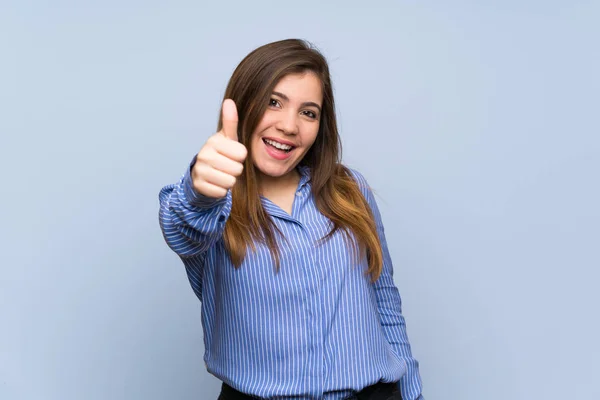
[{"x": 476, "y": 123}]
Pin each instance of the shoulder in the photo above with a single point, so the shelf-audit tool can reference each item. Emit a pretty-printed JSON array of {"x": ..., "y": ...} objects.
[
  {"x": 365, "y": 189},
  {"x": 363, "y": 185},
  {"x": 359, "y": 178}
]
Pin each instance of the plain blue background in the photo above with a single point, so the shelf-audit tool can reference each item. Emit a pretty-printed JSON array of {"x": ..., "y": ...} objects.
[{"x": 476, "y": 123}]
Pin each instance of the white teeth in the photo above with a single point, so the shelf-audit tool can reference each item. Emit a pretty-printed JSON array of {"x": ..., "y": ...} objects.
[{"x": 280, "y": 146}]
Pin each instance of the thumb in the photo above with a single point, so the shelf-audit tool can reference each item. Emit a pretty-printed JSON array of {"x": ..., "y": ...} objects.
[{"x": 229, "y": 119}]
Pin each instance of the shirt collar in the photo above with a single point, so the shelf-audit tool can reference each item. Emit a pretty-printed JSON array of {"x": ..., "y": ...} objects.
[
  {"x": 304, "y": 172},
  {"x": 273, "y": 209}
]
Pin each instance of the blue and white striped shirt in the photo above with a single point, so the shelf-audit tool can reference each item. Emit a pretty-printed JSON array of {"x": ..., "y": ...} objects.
[{"x": 317, "y": 329}]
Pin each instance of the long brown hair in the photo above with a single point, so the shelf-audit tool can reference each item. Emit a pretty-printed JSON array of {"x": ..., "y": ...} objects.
[{"x": 336, "y": 193}]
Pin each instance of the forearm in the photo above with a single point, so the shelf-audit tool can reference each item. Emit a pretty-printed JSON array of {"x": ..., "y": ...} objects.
[{"x": 191, "y": 222}]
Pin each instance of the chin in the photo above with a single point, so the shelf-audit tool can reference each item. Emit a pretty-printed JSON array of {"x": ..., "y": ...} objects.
[
  {"x": 273, "y": 171},
  {"x": 275, "y": 164}
]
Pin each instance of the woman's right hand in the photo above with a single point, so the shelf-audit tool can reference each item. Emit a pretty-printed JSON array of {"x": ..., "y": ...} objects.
[{"x": 221, "y": 159}]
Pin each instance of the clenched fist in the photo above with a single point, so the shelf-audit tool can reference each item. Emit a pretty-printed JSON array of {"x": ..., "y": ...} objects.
[{"x": 220, "y": 161}]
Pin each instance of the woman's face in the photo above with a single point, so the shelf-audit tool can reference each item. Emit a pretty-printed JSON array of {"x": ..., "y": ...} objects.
[{"x": 289, "y": 125}]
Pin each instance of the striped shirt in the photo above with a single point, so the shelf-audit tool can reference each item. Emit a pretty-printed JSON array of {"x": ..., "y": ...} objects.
[{"x": 316, "y": 329}]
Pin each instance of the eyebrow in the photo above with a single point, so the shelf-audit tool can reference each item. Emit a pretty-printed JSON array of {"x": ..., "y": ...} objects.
[{"x": 305, "y": 104}]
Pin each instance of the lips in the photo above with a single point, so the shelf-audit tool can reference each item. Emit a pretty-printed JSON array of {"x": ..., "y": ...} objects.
[
  {"x": 284, "y": 146},
  {"x": 277, "y": 150}
]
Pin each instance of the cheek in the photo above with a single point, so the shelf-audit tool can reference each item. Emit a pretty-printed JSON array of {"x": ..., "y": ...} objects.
[
  {"x": 255, "y": 142},
  {"x": 265, "y": 121},
  {"x": 256, "y": 135}
]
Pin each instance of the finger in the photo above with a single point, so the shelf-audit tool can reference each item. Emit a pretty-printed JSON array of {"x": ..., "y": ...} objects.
[
  {"x": 210, "y": 190},
  {"x": 225, "y": 164},
  {"x": 230, "y": 149},
  {"x": 229, "y": 118},
  {"x": 216, "y": 177}
]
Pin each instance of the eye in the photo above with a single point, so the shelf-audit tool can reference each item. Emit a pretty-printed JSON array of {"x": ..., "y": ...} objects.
[
  {"x": 310, "y": 114},
  {"x": 274, "y": 103}
]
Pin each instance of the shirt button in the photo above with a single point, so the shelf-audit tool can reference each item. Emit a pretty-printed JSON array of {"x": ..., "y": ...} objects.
[{"x": 298, "y": 193}]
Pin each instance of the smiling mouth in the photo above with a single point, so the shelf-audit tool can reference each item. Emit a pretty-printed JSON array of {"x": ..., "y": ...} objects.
[{"x": 278, "y": 146}]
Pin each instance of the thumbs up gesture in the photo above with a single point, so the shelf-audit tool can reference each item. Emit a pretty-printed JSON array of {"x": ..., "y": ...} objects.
[{"x": 220, "y": 161}]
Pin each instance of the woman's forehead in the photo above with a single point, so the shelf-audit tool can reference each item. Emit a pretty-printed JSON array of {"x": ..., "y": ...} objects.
[{"x": 300, "y": 87}]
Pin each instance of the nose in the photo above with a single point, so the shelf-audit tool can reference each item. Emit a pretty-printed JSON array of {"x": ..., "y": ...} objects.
[{"x": 288, "y": 122}]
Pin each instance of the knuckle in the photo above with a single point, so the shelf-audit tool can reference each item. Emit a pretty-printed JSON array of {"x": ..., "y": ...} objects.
[
  {"x": 199, "y": 173},
  {"x": 214, "y": 140},
  {"x": 200, "y": 157},
  {"x": 210, "y": 141},
  {"x": 205, "y": 152},
  {"x": 198, "y": 167},
  {"x": 208, "y": 158}
]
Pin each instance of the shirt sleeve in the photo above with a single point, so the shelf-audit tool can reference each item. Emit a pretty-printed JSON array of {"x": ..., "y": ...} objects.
[
  {"x": 190, "y": 222},
  {"x": 389, "y": 304}
]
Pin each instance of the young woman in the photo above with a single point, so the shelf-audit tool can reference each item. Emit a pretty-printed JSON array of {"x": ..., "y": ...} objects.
[{"x": 284, "y": 246}]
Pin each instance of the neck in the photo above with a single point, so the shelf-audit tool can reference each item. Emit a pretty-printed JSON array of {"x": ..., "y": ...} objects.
[{"x": 270, "y": 185}]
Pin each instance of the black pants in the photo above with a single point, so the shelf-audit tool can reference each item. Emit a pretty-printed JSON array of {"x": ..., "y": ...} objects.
[{"x": 378, "y": 391}]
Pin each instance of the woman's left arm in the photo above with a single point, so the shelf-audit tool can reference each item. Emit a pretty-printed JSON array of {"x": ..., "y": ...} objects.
[{"x": 389, "y": 305}]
